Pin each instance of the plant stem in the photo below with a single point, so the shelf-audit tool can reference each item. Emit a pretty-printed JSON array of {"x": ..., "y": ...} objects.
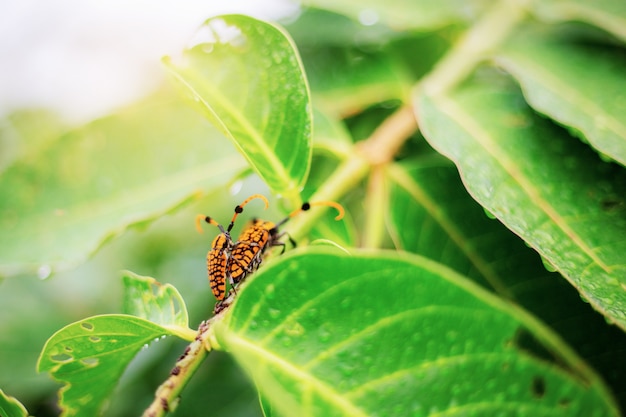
[
  {"x": 345, "y": 177},
  {"x": 379, "y": 149},
  {"x": 166, "y": 396},
  {"x": 375, "y": 208},
  {"x": 476, "y": 45}
]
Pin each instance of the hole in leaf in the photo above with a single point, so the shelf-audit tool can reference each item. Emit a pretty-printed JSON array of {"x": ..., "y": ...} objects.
[
  {"x": 538, "y": 386},
  {"x": 62, "y": 358},
  {"x": 564, "y": 402},
  {"x": 90, "y": 362},
  {"x": 612, "y": 204},
  {"x": 87, "y": 326},
  {"x": 526, "y": 342},
  {"x": 95, "y": 339},
  {"x": 69, "y": 349}
]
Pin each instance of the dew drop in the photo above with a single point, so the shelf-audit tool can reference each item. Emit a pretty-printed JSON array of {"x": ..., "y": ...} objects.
[
  {"x": 235, "y": 187},
  {"x": 324, "y": 335},
  {"x": 294, "y": 329},
  {"x": 548, "y": 265},
  {"x": 269, "y": 291},
  {"x": 367, "y": 360},
  {"x": 287, "y": 341},
  {"x": 368, "y": 17},
  {"x": 489, "y": 214},
  {"x": 345, "y": 303},
  {"x": 44, "y": 271},
  {"x": 347, "y": 369},
  {"x": 207, "y": 48},
  {"x": 274, "y": 313},
  {"x": 606, "y": 301}
]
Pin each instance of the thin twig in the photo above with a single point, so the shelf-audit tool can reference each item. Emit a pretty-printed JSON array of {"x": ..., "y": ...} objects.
[{"x": 166, "y": 396}]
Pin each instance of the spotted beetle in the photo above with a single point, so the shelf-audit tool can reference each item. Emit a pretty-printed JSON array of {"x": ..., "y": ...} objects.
[
  {"x": 247, "y": 252},
  {"x": 219, "y": 255}
]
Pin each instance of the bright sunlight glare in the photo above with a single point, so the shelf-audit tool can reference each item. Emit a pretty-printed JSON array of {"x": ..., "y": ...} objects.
[{"x": 83, "y": 58}]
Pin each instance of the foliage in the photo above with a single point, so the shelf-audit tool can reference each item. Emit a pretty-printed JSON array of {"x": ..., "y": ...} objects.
[{"x": 479, "y": 154}]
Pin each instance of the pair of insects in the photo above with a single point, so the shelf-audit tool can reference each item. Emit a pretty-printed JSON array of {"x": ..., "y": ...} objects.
[{"x": 232, "y": 260}]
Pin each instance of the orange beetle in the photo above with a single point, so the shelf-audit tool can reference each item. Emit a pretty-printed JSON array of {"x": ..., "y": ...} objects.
[
  {"x": 247, "y": 253},
  {"x": 218, "y": 257}
]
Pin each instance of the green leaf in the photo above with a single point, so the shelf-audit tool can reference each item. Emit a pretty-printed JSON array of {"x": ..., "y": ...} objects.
[
  {"x": 432, "y": 215},
  {"x": 331, "y": 136},
  {"x": 548, "y": 188},
  {"x": 347, "y": 80},
  {"x": 91, "y": 184},
  {"x": 609, "y": 15},
  {"x": 555, "y": 78},
  {"x": 367, "y": 334},
  {"x": 25, "y": 131},
  {"x": 89, "y": 357},
  {"x": 246, "y": 77},
  {"x": 146, "y": 298},
  {"x": 401, "y": 14},
  {"x": 10, "y": 407}
]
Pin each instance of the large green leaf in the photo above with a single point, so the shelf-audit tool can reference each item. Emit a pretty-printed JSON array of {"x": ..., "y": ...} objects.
[
  {"x": 246, "y": 77},
  {"x": 62, "y": 202},
  {"x": 580, "y": 85},
  {"x": 385, "y": 334},
  {"x": 403, "y": 14},
  {"x": 609, "y": 15},
  {"x": 432, "y": 215},
  {"x": 89, "y": 357},
  {"x": 546, "y": 186}
]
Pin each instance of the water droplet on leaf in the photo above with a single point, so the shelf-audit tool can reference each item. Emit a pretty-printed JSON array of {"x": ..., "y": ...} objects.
[{"x": 44, "y": 271}]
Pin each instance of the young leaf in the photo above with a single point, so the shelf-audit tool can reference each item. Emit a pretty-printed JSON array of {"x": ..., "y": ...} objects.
[
  {"x": 246, "y": 77},
  {"x": 10, "y": 407},
  {"x": 146, "y": 298},
  {"x": 91, "y": 184},
  {"x": 324, "y": 333},
  {"x": 555, "y": 78},
  {"x": 544, "y": 185},
  {"x": 89, "y": 357}
]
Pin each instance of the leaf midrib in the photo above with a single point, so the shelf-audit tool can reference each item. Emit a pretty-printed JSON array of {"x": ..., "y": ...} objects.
[
  {"x": 325, "y": 391},
  {"x": 257, "y": 138}
]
